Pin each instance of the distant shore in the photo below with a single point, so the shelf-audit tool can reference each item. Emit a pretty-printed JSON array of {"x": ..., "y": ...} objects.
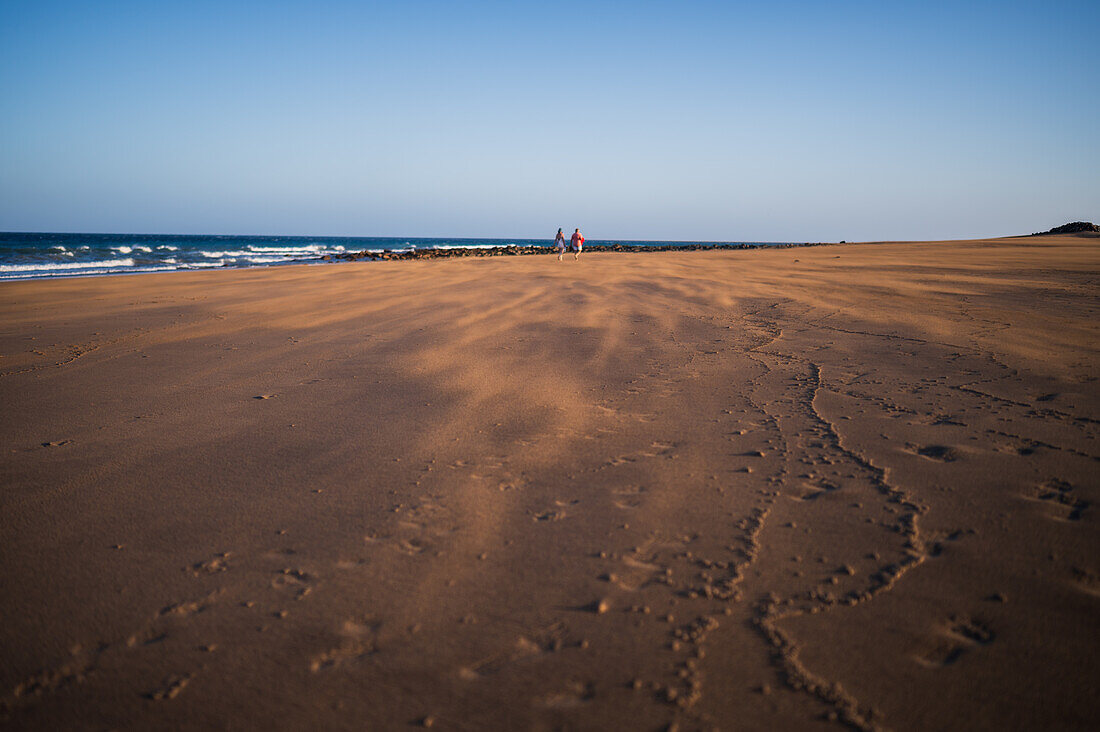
[{"x": 43, "y": 255}]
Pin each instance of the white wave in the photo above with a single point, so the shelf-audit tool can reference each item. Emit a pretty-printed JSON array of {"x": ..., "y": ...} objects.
[
  {"x": 151, "y": 268},
  {"x": 198, "y": 265},
  {"x": 58, "y": 246},
  {"x": 265, "y": 260},
  {"x": 123, "y": 249},
  {"x": 142, "y": 249},
  {"x": 167, "y": 248},
  {"x": 78, "y": 273},
  {"x": 286, "y": 250},
  {"x": 54, "y": 267},
  {"x": 219, "y": 255},
  {"x": 282, "y": 253},
  {"x": 471, "y": 246}
]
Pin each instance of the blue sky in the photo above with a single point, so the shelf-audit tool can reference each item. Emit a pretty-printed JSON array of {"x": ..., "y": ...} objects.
[{"x": 779, "y": 121}]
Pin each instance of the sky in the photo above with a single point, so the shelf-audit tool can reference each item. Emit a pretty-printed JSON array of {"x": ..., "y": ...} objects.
[{"x": 688, "y": 120}]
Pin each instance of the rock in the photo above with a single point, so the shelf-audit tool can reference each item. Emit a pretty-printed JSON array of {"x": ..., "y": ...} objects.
[
  {"x": 1075, "y": 227},
  {"x": 528, "y": 250}
]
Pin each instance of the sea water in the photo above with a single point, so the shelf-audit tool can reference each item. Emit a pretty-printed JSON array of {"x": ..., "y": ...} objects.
[{"x": 33, "y": 255}]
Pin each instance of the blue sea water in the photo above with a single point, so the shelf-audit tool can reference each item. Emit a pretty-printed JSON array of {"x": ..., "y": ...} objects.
[{"x": 37, "y": 255}]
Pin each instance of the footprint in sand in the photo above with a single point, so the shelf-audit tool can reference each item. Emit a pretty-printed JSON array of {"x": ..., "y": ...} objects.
[
  {"x": 1060, "y": 493},
  {"x": 145, "y": 640},
  {"x": 358, "y": 640},
  {"x": 188, "y": 608},
  {"x": 295, "y": 581},
  {"x": 634, "y": 573},
  {"x": 525, "y": 649},
  {"x": 577, "y": 693},
  {"x": 217, "y": 563},
  {"x": 1087, "y": 581},
  {"x": 628, "y": 498},
  {"x": 935, "y": 540},
  {"x": 412, "y": 546},
  {"x": 960, "y": 635},
  {"x": 817, "y": 489},
  {"x": 939, "y": 453},
  {"x": 558, "y": 513},
  {"x": 348, "y": 564},
  {"x": 171, "y": 688}
]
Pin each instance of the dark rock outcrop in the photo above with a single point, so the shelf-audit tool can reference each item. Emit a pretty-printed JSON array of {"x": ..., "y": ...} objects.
[
  {"x": 1076, "y": 227},
  {"x": 513, "y": 251}
]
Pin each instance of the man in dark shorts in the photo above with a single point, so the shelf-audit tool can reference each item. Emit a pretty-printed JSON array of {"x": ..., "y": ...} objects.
[{"x": 576, "y": 243}]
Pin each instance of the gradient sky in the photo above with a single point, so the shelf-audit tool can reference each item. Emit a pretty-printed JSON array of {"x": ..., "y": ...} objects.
[{"x": 769, "y": 121}]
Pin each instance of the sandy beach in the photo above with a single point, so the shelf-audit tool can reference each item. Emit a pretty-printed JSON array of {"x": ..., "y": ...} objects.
[{"x": 850, "y": 485}]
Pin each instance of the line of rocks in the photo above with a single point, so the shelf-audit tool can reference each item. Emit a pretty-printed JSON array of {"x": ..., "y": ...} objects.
[{"x": 515, "y": 250}]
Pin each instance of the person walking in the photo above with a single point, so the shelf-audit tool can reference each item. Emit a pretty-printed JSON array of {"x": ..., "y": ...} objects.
[
  {"x": 559, "y": 243},
  {"x": 576, "y": 243}
]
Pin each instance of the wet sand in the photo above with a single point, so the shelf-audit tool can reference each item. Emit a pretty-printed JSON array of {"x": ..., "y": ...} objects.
[{"x": 768, "y": 489}]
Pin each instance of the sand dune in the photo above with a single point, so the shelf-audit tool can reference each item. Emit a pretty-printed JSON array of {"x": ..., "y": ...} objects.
[{"x": 787, "y": 489}]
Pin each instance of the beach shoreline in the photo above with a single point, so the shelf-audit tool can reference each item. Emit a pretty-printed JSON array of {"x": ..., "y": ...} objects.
[
  {"x": 39, "y": 255},
  {"x": 248, "y": 252},
  {"x": 786, "y": 490}
]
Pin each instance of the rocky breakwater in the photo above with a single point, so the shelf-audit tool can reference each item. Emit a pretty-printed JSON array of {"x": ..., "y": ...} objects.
[{"x": 519, "y": 251}]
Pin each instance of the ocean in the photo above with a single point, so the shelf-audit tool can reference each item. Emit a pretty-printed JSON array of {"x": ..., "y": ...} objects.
[{"x": 36, "y": 255}]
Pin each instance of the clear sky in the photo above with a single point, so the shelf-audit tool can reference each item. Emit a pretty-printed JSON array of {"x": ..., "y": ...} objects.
[{"x": 772, "y": 121}]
